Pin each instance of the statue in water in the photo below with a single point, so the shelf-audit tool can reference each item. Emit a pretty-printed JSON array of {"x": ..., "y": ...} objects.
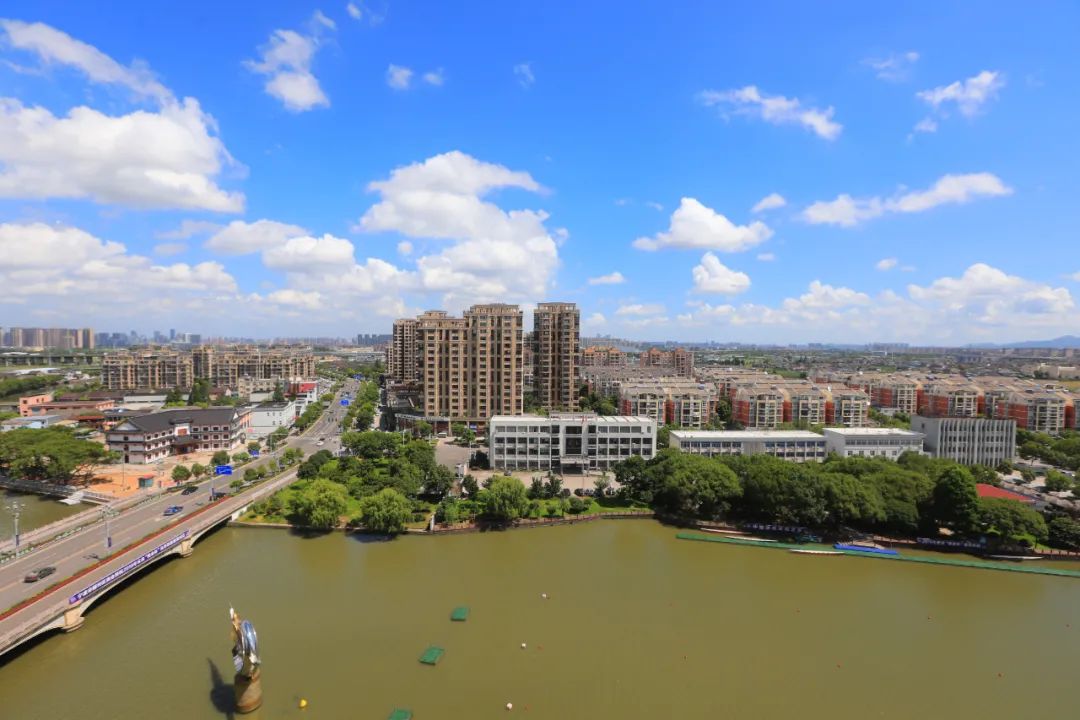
[{"x": 247, "y": 682}]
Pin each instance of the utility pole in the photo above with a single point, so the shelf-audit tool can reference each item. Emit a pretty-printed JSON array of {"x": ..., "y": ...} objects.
[
  {"x": 15, "y": 507},
  {"x": 108, "y": 513}
]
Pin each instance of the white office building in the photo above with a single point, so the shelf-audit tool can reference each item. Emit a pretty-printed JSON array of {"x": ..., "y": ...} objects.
[
  {"x": 269, "y": 416},
  {"x": 967, "y": 440},
  {"x": 888, "y": 443},
  {"x": 570, "y": 443},
  {"x": 794, "y": 445}
]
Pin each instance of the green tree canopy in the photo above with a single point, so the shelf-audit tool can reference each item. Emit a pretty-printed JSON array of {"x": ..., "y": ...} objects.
[
  {"x": 1012, "y": 520},
  {"x": 52, "y": 454},
  {"x": 320, "y": 504},
  {"x": 504, "y": 499},
  {"x": 956, "y": 501},
  {"x": 386, "y": 511},
  {"x": 181, "y": 474}
]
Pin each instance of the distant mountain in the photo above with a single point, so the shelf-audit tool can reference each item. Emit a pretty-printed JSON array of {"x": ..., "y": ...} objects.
[{"x": 1065, "y": 341}]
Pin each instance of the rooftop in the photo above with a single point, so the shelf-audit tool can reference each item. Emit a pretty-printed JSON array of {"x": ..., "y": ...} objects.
[
  {"x": 572, "y": 417},
  {"x": 746, "y": 435},
  {"x": 872, "y": 432}
]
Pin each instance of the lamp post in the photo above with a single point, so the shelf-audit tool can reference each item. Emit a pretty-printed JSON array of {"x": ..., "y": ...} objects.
[
  {"x": 108, "y": 513},
  {"x": 15, "y": 507}
]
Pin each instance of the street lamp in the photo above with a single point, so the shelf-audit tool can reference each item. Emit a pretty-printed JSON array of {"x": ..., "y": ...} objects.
[
  {"x": 108, "y": 513},
  {"x": 15, "y": 507}
]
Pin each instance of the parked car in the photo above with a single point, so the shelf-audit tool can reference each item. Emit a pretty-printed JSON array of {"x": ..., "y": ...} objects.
[
  {"x": 39, "y": 574},
  {"x": 190, "y": 490},
  {"x": 172, "y": 510}
]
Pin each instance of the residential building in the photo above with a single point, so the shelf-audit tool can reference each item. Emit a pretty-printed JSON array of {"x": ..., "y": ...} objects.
[
  {"x": 602, "y": 356},
  {"x": 27, "y": 403},
  {"x": 159, "y": 368},
  {"x": 888, "y": 443},
  {"x": 269, "y": 416},
  {"x": 401, "y": 358},
  {"x": 847, "y": 407},
  {"x": 758, "y": 407},
  {"x": 669, "y": 401},
  {"x": 36, "y": 422},
  {"x": 951, "y": 398},
  {"x": 680, "y": 360},
  {"x": 147, "y": 438},
  {"x": 967, "y": 440},
  {"x": 793, "y": 445},
  {"x": 68, "y": 408},
  {"x": 1038, "y": 411},
  {"x": 556, "y": 344},
  {"x": 61, "y": 338},
  {"x": 571, "y": 443}
]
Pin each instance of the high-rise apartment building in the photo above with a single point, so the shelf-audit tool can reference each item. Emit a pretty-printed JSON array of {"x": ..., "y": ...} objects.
[
  {"x": 401, "y": 353},
  {"x": 556, "y": 350},
  {"x": 61, "y": 338},
  {"x": 470, "y": 368}
]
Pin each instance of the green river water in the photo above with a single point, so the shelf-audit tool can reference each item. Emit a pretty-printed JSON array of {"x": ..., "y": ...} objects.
[
  {"x": 637, "y": 625},
  {"x": 37, "y": 511}
]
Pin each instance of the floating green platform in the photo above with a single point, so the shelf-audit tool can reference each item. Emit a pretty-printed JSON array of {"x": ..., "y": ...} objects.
[
  {"x": 400, "y": 714},
  {"x": 432, "y": 655},
  {"x": 460, "y": 614}
]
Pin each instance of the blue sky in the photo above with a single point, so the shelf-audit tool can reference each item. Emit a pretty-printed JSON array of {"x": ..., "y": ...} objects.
[{"x": 283, "y": 169}]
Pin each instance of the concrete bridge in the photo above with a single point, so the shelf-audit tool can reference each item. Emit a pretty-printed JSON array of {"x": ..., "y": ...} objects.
[{"x": 63, "y": 606}]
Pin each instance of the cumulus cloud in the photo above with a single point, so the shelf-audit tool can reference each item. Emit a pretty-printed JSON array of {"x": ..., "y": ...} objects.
[
  {"x": 167, "y": 158},
  {"x": 187, "y": 229},
  {"x": 309, "y": 254},
  {"x": 495, "y": 254},
  {"x": 695, "y": 226},
  {"x": 773, "y": 109},
  {"x": 286, "y": 61},
  {"x": 435, "y": 77},
  {"x": 524, "y": 74},
  {"x": 354, "y": 11},
  {"x": 714, "y": 278},
  {"x": 297, "y": 299},
  {"x": 170, "y": 248},
  {"x": 595, "y": 320},
  {"x": 895, "y": 67},
  {"x": 399, "y": 77},
  {"x": 967, "y": 96},
  {"x": 615, "y": 278},
  {"x": 847, "y": 211},
  {"x": 241, "y": 238},
  {"x": 640, "y": 310},
  {"x": 766, "y": 257},
  {"x": 771, "y": 201},
  {"x": 886, "y": 264}
]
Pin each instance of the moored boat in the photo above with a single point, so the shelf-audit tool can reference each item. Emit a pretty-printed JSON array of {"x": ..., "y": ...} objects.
[
  {"x": 801, "y": 551},
  {"x": 865, "y": 548},
  {"x": 1015, "y": 558}
]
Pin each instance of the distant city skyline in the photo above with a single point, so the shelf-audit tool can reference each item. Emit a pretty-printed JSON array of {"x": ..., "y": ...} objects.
[{"x": 849, "y": 174}]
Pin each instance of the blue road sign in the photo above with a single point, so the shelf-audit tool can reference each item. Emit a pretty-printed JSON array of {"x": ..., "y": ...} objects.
[
  {"x": 254, "y": 453},
  {"x": 344, "y": 403},
  {"x": 223, "y": 469}
]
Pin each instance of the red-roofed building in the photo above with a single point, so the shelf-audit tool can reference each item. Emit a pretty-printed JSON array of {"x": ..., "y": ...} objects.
[{"x": 989, "y": 491}]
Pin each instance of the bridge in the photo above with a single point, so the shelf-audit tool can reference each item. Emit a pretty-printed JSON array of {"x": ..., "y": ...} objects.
[{"x": 145, "y": 537}]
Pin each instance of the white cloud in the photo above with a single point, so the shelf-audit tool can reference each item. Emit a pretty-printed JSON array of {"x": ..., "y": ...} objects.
[
  {"x": 640, "y": 310},
  {"x": 524, "y": 74},
  {"x": 714, "y": 278},
  {"x": 654, "y": 205},
  {"x": 1075, "y": 277},
  {"x": 435, "y": 77},
  {"x": 309, "y": 255},
  {"x": 967, "y": 95},
  {"x": 774, "y": 109},
  {"x": 170, "y": 248},
  {"x": 354, "y": 11},
  {"x": 55, "y": 47},
  {"x": 771, "y": 201},
  {"x": 615, "y": 278},
  {"x": 286, "y": 62},
  {"x": 766, "y": 257},
  {"x": 622, "y": 202},
  {"x": 886, "y": 264},
  {"x": 895, "y": 67},
  {"x": 991, "y": 297},
  {"x": 296, "y": 299},
  {"x": 949, "y": 189},
  {"x": 595, "y": 320},
  {"x": 187, "y": 229},
  {"x": 241, "y": 238},
  {"x": 405, "y": 247},
  {"x": 926, "y": 125},
  {"x": 144, "y": 159},
  {"x": 398, "y": 77},
  {"x": 494, "y": 254},
  {"x": 696, "y": 226}
]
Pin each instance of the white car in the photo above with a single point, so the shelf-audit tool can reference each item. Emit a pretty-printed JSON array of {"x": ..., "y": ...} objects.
[{"x": 319, "y": 444}]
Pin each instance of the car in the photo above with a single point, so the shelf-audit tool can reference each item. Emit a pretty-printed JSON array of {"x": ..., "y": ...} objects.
[
  {"x": 39, "y": 574},
  {"x": 319, "y": 444},
  {"x": 172, "y": 510},
  {"x": 190, "y": 490},
  {"x": 579, "y": 492}
]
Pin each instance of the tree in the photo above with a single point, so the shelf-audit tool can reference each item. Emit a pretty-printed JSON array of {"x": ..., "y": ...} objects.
[
  {"x": 365, "y": 417},
  {"x": 241, "y": 457},
  {"x": 1012, "y": 520},
  {"x": 221, "y": 457},
  {"x": 54, "y": 454},
  {"x": 457, "y": 429},
  {"x": 630, "y": 474},
  {"x": 198, "y": 470},
  {"x": 386, "y": 511},
  {"x": 536, "y": 489},
  {"x": 279, "y": 393},
  {"x": 439, "y": 482},
  {"x": 1058, "y": 481},
  {"x": 470, "y": 486},
  {"x": 448, "y": 511},
  {"x": 200, "y": 392},
  {"x": 955, "y": 500},
  {"x": 277, "y": 437},
  {"x": 253, "y": 447},
  {"x": 310, "y": 467},
  {"x": 181, "y": 474},
  {"x": 601, "y": 484},
  {"x": 320, "y": 504},
  {"x": 1064, "y": 532},
  {"x": 553, "y": 486},
  {"x": 663, "y": 437},
  {"x": 692, "y": 485},
  {"x": 422, "y": 429},
  {"x": 504, "y": 499},
  {"x": 468, "y": 436},
  {"x": 985, "y": 474},
  {"x": 174, "y": 398}
]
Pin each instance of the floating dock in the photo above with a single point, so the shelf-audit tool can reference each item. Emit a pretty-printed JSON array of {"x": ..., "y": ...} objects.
[
  {"x": 460, "y": 614},
  {"x": 975, "y": 564},
  {"x": 400, "y": 714},
  {"x": 432, "y": 655}
]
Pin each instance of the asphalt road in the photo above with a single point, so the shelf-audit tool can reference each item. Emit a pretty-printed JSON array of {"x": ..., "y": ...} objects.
[{"x": 87, "y": 547}]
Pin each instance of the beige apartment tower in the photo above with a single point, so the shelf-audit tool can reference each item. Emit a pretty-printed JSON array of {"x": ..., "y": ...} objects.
[
  {"x": 401, "y": 354},
  {"x": 556, "y": 355}
]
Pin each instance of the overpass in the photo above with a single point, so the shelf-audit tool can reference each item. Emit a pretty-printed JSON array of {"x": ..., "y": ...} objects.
[{"x": 62, "y": 606}]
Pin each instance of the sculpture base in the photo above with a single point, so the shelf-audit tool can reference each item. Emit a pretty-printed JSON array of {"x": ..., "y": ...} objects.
[{"x": 248, "y": 692}]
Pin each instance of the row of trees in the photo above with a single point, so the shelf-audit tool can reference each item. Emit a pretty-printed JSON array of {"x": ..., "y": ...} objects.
[
  {"x": 26, "y": 384},
  {"x": 1062, "y": 452},
  {"x": 361, "y": 413},
  {"x": 52, "y": 454},
  {"x": 916, "y": 495}
]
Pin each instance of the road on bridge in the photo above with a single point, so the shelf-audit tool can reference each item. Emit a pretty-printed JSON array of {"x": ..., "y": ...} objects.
[{"x": 86, "y": 548}]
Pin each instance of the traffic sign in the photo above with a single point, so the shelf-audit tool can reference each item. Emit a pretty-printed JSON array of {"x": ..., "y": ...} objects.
[
  {"x": 223, "y": 469},
  {"x": 344, "y": 403},
  {"x": 254, "y": 453}
]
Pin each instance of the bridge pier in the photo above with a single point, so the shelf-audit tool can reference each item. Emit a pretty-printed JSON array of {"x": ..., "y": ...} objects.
[
  {"x": 187, "y": 547},
  {"x": 73, "y": 619}
]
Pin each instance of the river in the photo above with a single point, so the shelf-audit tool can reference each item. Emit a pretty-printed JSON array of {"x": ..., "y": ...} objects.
[
  {"x": 37, "y": 511},
  {"x": 637, "y": 624}
]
